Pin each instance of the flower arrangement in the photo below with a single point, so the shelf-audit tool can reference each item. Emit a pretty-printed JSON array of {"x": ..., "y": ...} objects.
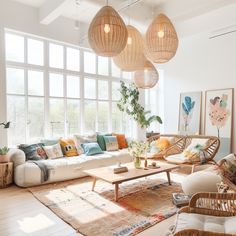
[{"x": 137, "y": 150}]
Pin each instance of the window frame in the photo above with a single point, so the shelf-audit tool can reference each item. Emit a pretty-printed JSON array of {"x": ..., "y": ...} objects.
[{"x": 46, "y": 69}]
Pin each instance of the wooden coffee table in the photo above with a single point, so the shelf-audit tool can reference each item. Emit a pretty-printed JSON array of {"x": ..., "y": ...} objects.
[{"x": 106, "y": 174}]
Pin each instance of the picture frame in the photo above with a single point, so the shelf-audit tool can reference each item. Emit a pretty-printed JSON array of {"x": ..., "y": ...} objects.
[
  {"x": 218, "y": 119},
  {"x": 190, "y": 106}
]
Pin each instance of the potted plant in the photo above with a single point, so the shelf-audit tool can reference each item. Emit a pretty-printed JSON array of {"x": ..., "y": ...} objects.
[
  {"x": 3, "y": 155},
  {"x": 138, "y": 150},
  {"x": 129, "y": 103}
]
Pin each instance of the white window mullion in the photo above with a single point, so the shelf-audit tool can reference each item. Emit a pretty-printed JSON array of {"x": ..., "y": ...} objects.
[
  {"x": 47, "y": 127},
  {"x": 65, "y": 93},
  {"x": 82, "y": 92}
]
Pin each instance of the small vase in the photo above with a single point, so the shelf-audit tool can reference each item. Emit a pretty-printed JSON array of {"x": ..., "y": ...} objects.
[
  {"x": 4, "y": 158},
  {"x": 137, "y": 162}
]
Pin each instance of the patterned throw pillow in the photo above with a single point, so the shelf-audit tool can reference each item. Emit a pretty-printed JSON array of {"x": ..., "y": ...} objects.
[
  {"x": 33, "y": 152},
  {"x": 91, "y": 149},
  {"x": 68, "y": 147},
  {"x": 80, "y": 139},
  {"x": 195, "y": 150},
  {"x": 53, "y": 151},
  {"x": 111, "y": 143},
  {"x": 122, "y": 143}
]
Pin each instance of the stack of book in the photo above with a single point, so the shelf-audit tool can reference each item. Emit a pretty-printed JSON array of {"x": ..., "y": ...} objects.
[{"x": 181, "y": 199}]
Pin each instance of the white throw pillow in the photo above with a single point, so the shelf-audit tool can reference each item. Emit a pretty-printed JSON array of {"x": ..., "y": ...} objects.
[
  {"x": 53, "y": 151},
  {"x": 80, "y": 139}
]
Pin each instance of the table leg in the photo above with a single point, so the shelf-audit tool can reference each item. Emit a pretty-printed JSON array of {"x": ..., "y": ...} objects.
[
  {"x": 168, "y": 177},
  {"x": 94, "y": 183},
  {"x": 116, "y": 192}
]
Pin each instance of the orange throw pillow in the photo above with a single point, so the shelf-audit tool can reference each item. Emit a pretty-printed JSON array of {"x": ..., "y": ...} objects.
[
  {"x": 163, "y": 143},
  {"x": 68, "y": 147},
  {"x": 121, "y": 140}
]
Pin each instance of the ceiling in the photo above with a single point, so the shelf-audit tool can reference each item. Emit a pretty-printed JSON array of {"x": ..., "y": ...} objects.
[{"x": 139, "y": 14}]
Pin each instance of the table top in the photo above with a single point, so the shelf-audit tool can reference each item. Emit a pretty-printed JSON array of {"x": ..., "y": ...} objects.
[{"x": 106, "y": 173}]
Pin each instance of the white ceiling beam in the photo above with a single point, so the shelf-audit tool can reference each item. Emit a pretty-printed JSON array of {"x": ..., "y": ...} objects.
[{"x": 51, "y": 10}]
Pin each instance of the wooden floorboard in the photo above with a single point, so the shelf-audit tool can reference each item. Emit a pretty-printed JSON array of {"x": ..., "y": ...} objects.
[{"x": 21, "y": 214}]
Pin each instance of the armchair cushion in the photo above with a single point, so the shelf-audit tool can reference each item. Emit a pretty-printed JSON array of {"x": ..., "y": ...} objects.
[
  {"x": 177, "y": 159},
  {"x": 206, "y": 223}
]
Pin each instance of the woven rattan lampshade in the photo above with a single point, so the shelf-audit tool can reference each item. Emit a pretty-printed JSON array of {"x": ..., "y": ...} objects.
[
  {"x": 161, "y": 40},
  {"x": 107, "y": 33},
  {"x": 132, "y": 57},
  {"x": 147, "y": 77}
]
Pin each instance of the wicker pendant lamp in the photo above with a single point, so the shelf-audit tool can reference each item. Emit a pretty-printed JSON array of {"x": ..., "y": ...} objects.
[
  {"x": 161, "y": 40},
  {"x": 107, "y": 33},
  {"x": 147, "y": 77},
  {"x": 132, "y": 57}
]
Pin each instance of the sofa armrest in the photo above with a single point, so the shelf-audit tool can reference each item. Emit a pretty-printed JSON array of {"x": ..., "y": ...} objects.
[{"x": 17, "y": 156}]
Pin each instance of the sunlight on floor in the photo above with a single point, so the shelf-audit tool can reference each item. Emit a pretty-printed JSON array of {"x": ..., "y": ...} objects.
[{"x": 33, "y": 224}]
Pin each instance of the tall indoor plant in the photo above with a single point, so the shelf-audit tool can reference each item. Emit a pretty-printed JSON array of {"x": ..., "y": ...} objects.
[{"x": 129, "y": 103}]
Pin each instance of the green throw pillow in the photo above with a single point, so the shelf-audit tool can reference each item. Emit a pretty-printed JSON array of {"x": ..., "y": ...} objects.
[{"x": 101, "y": 141}]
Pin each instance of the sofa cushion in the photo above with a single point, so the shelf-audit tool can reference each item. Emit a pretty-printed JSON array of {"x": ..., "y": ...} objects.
[
  {"x": 91, "y": 149},
  {"x": 224, "y": 225},
  {"x": 122, "y": 143},
  {"x": 33, "y": 151},
  {"x": 49, "y": 142},
  {"x": 53, "y": 151},
  {"x": 111, "y": 143},
  {"x": 68, "y": 147},
  {"x": 80, "y": 139}
]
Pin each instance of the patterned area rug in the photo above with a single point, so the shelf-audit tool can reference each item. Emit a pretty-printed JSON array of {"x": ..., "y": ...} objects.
[{"x": 142, "y": 204}]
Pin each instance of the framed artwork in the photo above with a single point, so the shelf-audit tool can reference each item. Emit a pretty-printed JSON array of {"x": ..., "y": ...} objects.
[
  {"x": 218, "y": 117},
  {"x": 190, "y": 112}
]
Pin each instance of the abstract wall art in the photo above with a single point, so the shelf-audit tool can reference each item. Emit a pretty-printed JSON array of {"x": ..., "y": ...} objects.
[
  {"x": 190, "y": 113},
  {"x": 218, "y": 117}
]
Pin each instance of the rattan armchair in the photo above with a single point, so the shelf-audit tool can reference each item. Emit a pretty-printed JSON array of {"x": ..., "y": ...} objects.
[
  {"x": 209, "y": 151},
  {"x": 177, "y": 144},
  {"x": 211, "y": 204}
]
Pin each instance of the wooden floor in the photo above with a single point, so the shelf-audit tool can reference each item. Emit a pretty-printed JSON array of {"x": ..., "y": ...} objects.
[{"x": 21, "y": 214}]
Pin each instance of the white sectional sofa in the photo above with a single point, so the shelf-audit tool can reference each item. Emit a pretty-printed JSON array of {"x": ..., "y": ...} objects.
[{"x": 28, "y": 174}]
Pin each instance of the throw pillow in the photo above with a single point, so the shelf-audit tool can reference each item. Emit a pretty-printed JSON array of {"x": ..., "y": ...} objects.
[
  {"x": 194, "y": 151},
  {"x": 121, "y": 140},
  {"x": 111, "y": 143},
  {"x": 153, "y": 147},
  {"x": 91, "y": 149},
  {"x": 163, "y": 143},
  {"x": 68, "y": 147},
  {"x": 80, "y": 139},
  {"x": 49, "y": 142},
  {"x": 101, "y": 141},
  {"x": 33, "y": 152},
  {"x": 53, "y": 151}
]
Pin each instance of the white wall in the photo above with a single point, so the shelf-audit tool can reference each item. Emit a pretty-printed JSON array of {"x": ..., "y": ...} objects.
[{"x": 200, "y": 64}]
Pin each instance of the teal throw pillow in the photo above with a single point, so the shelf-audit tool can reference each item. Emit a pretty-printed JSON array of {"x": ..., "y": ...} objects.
[
  {"x": 33, "y": 152},
  {"x": 111, "y": 143},
  {"x": 91, "y": 149}
]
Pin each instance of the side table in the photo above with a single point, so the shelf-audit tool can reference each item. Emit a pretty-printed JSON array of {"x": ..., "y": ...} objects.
[{"x": 6, "y": 174}]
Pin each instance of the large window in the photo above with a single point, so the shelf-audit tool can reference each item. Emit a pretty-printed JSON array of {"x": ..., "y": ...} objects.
[{"x": 55, "y": 90}]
